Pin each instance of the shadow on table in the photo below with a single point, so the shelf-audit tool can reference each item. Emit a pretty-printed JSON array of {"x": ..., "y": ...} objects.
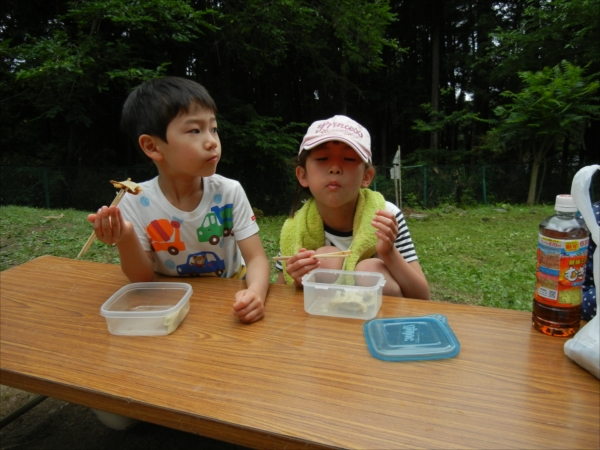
[{"x": 55, "y": 424}]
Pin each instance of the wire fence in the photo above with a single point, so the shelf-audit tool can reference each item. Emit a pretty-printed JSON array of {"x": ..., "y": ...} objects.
[
  {"x": 431, "y": 185},
  {"x": 81, "y": 188},
  {"x": 428, "y": 186}
]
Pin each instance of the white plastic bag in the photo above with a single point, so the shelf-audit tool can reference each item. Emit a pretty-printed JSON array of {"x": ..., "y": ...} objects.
[
  {"x": 584, "y": 347},
  {"x": 580, "y": 191}
]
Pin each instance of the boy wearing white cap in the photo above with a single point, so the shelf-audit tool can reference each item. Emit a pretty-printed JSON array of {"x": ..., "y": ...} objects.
[{"x": 334, "y": 164}]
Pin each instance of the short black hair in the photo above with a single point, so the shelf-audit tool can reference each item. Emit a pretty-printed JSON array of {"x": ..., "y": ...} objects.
[{"x": 155, "y": 103}]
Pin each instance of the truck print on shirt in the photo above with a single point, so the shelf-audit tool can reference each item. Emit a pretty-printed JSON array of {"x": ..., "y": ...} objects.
[
  {"x": 216, "y": 224},
  {"x": 161, "y": 232}
]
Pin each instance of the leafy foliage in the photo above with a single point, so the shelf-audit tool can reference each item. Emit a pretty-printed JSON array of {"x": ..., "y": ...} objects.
[
  {"x": 440, "y": 120},
  {"x": 67, "y": 66},
  {"x": 553, "y": 103},
  {"x": 546, "y": 33},
  {"x": 92, "y": 49},
  {"x": 257, "y": 144}
]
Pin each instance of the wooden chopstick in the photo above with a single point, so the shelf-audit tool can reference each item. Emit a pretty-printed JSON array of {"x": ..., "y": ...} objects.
[
  {"x": 92, "y": 237},
  {"x": 343, "y": 254}
]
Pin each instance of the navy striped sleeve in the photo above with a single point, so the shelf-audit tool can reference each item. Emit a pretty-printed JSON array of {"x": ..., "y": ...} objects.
[{"x": 404, "y": 242}]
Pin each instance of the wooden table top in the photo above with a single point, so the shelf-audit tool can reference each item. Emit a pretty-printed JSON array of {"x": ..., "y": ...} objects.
[{"x": 292, "y": 380}]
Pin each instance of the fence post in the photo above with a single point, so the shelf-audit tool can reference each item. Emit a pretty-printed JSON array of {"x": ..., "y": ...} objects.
[
  {"x": 425, "y": 185},
  {"x": 484, "y": 187},
  {"x": 46, "y": 188}
]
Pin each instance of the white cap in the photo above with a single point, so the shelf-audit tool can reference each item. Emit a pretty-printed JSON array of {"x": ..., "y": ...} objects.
[
  {"x": 565, "y": 203},
  {"x": 339, "y": 128}
]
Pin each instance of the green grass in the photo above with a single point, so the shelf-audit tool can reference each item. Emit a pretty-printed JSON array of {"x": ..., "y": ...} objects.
[
  {"x": 478, "y": 256},
  {"x": 26, "y": 233}
]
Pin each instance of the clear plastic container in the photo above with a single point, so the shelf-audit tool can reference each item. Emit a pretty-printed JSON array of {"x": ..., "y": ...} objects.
[
  {"x": 147, "y": 309},
  {"x": 340, "y": 293}
]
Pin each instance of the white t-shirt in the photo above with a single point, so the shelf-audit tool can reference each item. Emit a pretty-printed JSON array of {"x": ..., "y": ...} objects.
[
  {"x": 403, "y": 243},
  {"x": 197, "y": 243}
]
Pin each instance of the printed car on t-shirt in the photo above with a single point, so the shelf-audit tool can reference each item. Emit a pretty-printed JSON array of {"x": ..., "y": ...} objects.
[
  {"x": 202, "y": 263},
  {"x": 164, "y": 235},
  {"x": 216, "y": 224}
]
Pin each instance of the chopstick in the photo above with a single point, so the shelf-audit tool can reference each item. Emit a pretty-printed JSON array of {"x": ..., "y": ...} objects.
[
  {"x": 343, "y": 254},
  {"x": 92, "y": 237},
  {"x": 124, "y": 187}
]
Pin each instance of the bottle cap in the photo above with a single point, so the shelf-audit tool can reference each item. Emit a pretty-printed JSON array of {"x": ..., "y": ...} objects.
[{"x": 565, "y": 203}]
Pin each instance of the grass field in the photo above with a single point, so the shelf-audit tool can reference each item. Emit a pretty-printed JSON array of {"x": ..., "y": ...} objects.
[{"x": 480, "y": 256}]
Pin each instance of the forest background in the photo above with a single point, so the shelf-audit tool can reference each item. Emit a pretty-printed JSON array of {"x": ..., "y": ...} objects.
[{"x": 453, "y": 83}]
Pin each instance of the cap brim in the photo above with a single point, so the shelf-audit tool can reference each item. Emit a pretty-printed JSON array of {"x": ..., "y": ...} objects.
[{"x": 311, "y": 143}]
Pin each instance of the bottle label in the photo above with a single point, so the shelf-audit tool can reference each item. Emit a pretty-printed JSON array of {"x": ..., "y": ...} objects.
[{"x": 560, "y": 271}]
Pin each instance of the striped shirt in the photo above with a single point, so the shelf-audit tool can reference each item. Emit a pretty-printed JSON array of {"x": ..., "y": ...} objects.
[{"x": 342, "y": 241}]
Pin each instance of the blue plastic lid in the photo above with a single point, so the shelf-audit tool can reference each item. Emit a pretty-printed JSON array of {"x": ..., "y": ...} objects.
[{"x": 411, "y": 338}]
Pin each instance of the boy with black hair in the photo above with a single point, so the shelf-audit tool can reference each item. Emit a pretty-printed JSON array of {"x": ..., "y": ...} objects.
[{"x": 187, "y": 220}]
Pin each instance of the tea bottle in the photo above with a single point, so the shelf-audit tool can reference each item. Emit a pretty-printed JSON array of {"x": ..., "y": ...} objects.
[{"x": 560, "y": 270}]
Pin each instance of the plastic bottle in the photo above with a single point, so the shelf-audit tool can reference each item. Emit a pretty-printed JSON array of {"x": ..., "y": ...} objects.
[{"x": 560, "y": 270}]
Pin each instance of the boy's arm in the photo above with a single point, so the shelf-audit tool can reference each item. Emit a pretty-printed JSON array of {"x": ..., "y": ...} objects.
[
  {"x": 111, "y": 228},
  {"x": 136, "y": 263},
  {"x": 249, "y": 303}
]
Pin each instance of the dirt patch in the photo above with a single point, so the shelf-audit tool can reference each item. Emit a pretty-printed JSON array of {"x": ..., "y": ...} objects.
[
  {"x": 55, "y": 424},
  {"x": 11, "y": 399}
]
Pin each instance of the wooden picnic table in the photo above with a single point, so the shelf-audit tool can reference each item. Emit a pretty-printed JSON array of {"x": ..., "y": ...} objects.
[{"x": 292, "y": 380}]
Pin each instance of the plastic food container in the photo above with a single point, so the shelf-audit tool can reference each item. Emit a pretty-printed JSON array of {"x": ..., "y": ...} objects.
[
  {"x": 147, "y": 309},
  {"x": 340, "y": 293},
  {"x": 411, "y": 338}
]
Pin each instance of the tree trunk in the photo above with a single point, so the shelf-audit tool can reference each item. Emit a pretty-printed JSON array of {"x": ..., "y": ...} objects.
[
  {"x": 344, "y": 90},
  {"x": 435, "y": 75},
  {"x": 535, "y": 166},
  {"x": 383, "y": 134},
  {"x": 565, "y": 159},
  {"x": 591, "y": 143},
  {"x": 538, "y": 156},
  {"x": 539, "y": 191}
]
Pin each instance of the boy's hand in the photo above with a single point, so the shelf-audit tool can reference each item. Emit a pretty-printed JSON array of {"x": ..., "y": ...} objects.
[
  {"x": 248, "y": 306},
  {"x": 109, "y": 225},
  {"x": 387, "y": 231},
  {"x": 300, "y": 264}
]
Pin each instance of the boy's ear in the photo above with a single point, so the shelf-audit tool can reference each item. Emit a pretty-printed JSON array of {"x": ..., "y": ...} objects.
[
  {"x": 301, "y": 175},
  {"x": 368, "y": 177},
  {"x": 149, "y": 146}
]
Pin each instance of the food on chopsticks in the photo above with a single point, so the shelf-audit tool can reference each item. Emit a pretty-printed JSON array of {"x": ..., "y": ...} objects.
[
  {"x": 128, "y": 186},
  {"x": 124, "y": 187},
  {"x": 342, "y": 254}
]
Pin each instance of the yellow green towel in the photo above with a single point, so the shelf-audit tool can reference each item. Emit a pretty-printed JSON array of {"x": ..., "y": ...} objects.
[{"x": 305, "y": 230}]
